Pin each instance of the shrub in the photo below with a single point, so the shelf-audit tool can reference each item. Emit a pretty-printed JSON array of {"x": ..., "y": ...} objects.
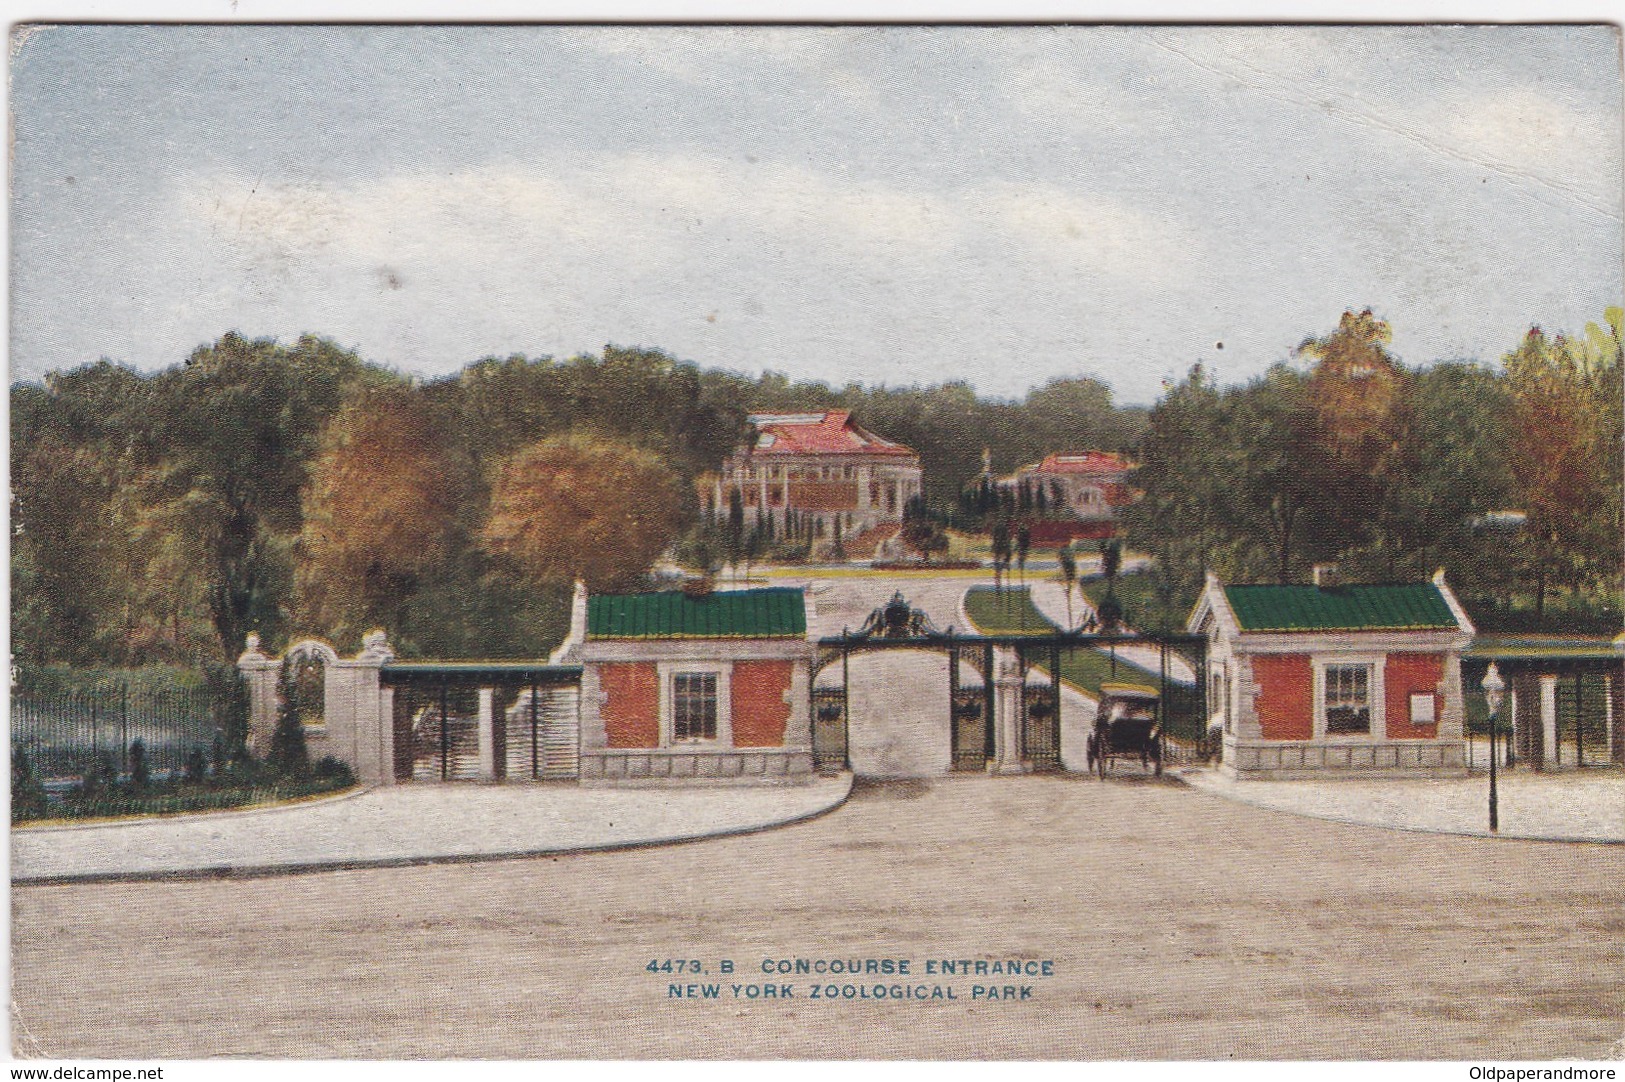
[
  {"x": 289, "y": 756},
  {"x": 328, "y": 767},
  {"x": 197, "y": 767},
  {"x": 98, "y": 780},
  {"x": 140, "y": 773},
  {"x": 27, "y": 791}
]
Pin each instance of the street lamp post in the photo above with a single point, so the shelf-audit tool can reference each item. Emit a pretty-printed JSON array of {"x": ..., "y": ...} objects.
[{"x": 1494, "y": 691}]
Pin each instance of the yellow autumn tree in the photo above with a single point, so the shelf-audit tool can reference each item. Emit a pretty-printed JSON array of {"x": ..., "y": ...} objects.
[
  {"x": 1357, "y": 391},
  {"x": 576, "y": 506},
  {"x": 1565, "y": 433},
  {"x": 379, "y": 512}
]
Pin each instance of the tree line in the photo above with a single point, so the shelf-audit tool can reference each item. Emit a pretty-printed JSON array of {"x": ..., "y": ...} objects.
[
  {"x": 1508, "y": 476},
  {"x": 295, "y": 489}
]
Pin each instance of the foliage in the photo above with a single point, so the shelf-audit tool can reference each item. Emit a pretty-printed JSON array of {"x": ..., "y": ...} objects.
[
  {"x": 27, "y": 790},
  {"x": 1565, "y": 437},
  {"x": 1392, "y": 471},
  {"x": 1068, "y": 564},
  {"x": 140, "y": 774},
  {"x": 156, "y": 519},
  {"x": 381, "y": 511},
  {"x": 579, "y": 507},
  {"x": 288, "y": 756},
  {"x": 234, "y": 789},
  {"x": 332, "y": 769},
  {"x": 921, "y": 531}
]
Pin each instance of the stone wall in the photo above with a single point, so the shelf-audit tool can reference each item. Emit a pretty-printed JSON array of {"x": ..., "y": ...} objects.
[
  {"x": 662, "y": 766},
  {"x": 1281, "y": 759}
]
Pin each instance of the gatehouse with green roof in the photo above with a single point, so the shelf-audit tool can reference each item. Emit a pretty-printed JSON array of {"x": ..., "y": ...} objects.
[{"x": 1327, "y": 678}]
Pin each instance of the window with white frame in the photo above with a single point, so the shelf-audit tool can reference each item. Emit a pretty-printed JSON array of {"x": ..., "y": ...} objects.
[
  {"x": 1346, "y": 699},
  {"x": 693, "y": 706}
]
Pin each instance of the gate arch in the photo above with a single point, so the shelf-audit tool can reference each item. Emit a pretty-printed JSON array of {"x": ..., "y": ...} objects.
[{"x": 901, "y": 699}]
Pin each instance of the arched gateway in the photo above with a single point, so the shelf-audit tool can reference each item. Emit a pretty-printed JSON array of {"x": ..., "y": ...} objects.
[{"x": 901, "y": 698}]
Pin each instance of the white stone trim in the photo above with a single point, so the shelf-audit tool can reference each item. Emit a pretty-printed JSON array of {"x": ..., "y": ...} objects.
[
  {"x": 1463, "y": 621},
  {"x": 719, "y": 650},
  {"x": 1376, "y": 692},
  {"x": 1330, "y": 642},
  {"x": 723, "y": 670}
]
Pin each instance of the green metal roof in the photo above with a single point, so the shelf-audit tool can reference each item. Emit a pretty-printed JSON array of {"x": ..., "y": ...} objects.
[
  {"x": 775, "y": 612},
  {"x": 1407, "y": 607}
]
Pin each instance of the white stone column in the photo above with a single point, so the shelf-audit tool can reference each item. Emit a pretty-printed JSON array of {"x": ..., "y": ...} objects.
[
  {"x": 719, "y": 510},
  {"x": 260, "y": 673},
  {"x": 1451, "y": 720},
  {"x": 798, "y": 731},
  {"x": 1007, "y": 758},
  {"x": 386, "y": 736},
  {"x": 1548, "y": 720},
  {"x": 488, "y": 739},
  {"x": 864, "y": 480},
  {"x": 1608, "y": 714}
]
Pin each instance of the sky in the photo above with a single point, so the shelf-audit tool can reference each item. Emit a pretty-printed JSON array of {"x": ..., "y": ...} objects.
[{"x": 898, "y": 205}]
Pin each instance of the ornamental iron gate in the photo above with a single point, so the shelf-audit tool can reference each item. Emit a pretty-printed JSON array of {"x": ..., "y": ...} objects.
[{"x": 1182, "y": 706}]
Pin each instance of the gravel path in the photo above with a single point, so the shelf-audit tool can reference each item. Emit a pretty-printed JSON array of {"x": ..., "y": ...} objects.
[{"x": 1179, "y": 927}]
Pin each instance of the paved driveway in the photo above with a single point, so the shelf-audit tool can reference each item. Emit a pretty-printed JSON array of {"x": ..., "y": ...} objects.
[
  {"x": 1176, "y": 925},
  {"x": 405, "y": 823}
]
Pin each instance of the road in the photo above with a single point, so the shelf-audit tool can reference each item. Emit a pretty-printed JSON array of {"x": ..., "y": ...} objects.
[{"x": 1179, "y": 926}]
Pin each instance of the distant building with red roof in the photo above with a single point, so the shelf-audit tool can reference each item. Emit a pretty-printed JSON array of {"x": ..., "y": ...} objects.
[
  {"x": 1089, "y": 486},
  {"x": 817, "y": 469}
]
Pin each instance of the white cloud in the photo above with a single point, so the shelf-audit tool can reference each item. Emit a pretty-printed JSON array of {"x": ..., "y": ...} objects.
[
  {"x": 1524, "y": 131},
  {"x": 650, "y": 214}
]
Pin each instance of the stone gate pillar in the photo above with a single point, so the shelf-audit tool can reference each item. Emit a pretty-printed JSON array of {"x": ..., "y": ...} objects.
[
  {"x": 1614, "y": 713},
  {"x": 1007, "y": 758},
  {"x": 1548, "y": 720},
  {"x": 260, "y": 672},
  {"x": 375, "y": 715},
  {"x": 487, "y": 734}
]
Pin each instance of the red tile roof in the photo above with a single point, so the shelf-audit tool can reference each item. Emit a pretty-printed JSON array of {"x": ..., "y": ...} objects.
[
  {"x": 828, "y": 432},
  {"x": 1100, "y": 463}
]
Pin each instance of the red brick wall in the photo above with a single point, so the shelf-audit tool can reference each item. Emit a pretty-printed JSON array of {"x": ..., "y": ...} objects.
[
  {"x": 760, "y": 712},
  {"x": 1406, "y": 673},
  {"x": 1286, "y": 696},
  {"x": 631, "y": 712}
]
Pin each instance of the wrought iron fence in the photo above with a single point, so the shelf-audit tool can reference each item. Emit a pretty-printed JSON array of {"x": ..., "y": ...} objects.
[{"x": 68, "y": 733}]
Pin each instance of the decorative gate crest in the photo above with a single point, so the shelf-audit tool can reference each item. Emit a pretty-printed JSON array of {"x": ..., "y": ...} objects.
[{"x": 897, "y": 619}]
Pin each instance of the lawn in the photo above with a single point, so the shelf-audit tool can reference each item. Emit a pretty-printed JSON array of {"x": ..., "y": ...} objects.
[
  {"x": 1086, "y": 667},
  {"x": 1013, "y": 612}
]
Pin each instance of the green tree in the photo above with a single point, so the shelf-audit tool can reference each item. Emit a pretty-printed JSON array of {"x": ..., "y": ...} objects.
[
  {"x": 240, "y": 423},
  {"x": 27, "y": 790},
  {"x": 1069, "y": 577},
  {"x": 1185, "y": 468}
]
